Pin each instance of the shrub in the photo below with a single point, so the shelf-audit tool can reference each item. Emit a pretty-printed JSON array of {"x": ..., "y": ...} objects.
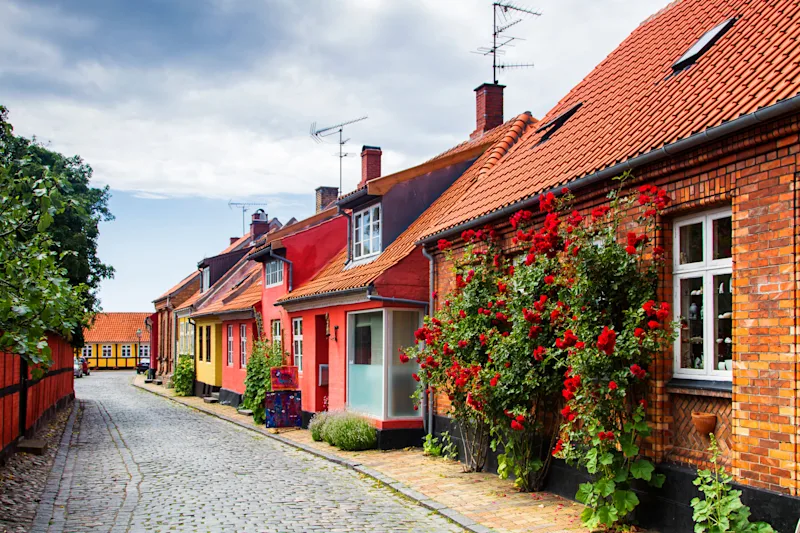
[
  {"x": 183, "y": 379},
  {"x": 440, "y": 447},
  {"x": 346, "y": 431},
  {"x": 317, "y": 425},
  {"x": 257, "y": 382},
  {"x": 721, "y": 510}
]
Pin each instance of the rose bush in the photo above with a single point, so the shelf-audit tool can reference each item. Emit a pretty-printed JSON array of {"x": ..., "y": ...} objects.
[{"x": 550, "y": 352}]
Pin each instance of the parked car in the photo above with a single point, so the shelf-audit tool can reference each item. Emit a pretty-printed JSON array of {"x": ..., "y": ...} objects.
[
  {"x": 85, "y": 364},
  {"x": 77, "y": 369},
  {"x": 143, "y": 365}
]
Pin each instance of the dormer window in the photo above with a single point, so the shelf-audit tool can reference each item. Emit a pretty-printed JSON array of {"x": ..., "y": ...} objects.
[
  {"x": 367, "y": 232},
  {"x": 273, "y": 273},
  {"x": 702, "y": 45},
  {"x": 205, "y": 280}
]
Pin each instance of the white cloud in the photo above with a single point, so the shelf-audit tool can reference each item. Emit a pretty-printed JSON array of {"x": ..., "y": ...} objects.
[{"x": 179, "y": 129}]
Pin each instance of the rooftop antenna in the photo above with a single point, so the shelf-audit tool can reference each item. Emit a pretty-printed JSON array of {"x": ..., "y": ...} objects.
[
  {"x": 319, "y": 134},
  {"x": 504, "y": 16},
  {"x": 243, "y": 206}
]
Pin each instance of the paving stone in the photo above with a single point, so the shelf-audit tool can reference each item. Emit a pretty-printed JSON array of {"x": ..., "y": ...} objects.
[{"x": 139, "y": 463}]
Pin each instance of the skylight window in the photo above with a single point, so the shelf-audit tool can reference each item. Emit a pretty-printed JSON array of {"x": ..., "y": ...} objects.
[
  {"x": 702, "y": 45},
  {"x": 551, "y": 127}
]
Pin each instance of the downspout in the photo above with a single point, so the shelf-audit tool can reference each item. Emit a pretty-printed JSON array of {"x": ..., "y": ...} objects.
[
  {"x": 427, "y": 404},
  {"x": 280, "y": 258}
]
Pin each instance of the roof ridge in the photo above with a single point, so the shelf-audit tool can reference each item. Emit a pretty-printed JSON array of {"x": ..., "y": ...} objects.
[{"x": 502, "y": 147}]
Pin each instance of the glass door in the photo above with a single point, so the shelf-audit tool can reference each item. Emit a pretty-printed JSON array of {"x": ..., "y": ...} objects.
[{"x": 365, "y": 362}]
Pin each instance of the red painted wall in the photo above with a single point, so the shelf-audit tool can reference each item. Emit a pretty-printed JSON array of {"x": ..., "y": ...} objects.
[
  {"x": 233, "y": 375},
  {"x": 407, "y": 279},
  {"x": 313, "y": 395},
  {"x": 311, "y": 249}
]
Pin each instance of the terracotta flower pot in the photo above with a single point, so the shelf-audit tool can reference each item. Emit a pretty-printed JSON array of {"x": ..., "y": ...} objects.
[{"x": 704, "y": 423}]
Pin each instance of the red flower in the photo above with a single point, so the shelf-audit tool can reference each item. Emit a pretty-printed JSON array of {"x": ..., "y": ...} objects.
[
  {"x": 520, "y": 418},
  {"x": 630, "y": 249},
  {"x": 638, "y": 333},
  {"x": 462, "y": 314},
  {"x": 653, "y": 324},
  {"x": 567, "y": 394},
  {"x": 547, "y": 203},
  {"x": 494, "y": 380},
  {"x": 549, "y": 280},
  {"x": 643, "y": 403},
  {"x": 516, "y": 426},
  {"x": 403, "y": 358},
  {"x": 539, "y": 352},
  {"x": 599, "y": 212},
  {"x": 649, "y": 307},
  {"x": 638, "y": 371},
  {"x": 482, "y": 338},
  {"x": 567, "y": 413},
  {"x": 559, "y": 447},
  {"x": 658, "y": 250},
  {"x": 501, "y": 287},
  {"x": 568, "y": 341},
  {"x": 462, "y": 344},
  {"x": 612, "y": 385},
  {"x": 443, "y": 244},
  {"x": 415, "y": 376},
  {"x": 607, "y": 340}
]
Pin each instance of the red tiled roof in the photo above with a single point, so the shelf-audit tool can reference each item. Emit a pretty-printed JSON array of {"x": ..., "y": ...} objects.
[
  {"x": 334, "y": 277},
  {"x": 117, "y": 327},
  {"x": 178, "y": 285},
  {"x": 632, "y": 103},
  {"x": 239, "y": 289}
]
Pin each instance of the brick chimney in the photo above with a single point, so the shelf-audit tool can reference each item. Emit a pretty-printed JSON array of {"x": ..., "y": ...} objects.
[
  {"x": 234, "y": 239},
  {"x": 259, "y": 224},
  {"x": 326, "y": 196},
  {"x": 370, "y": 164},
  {"x": 488, "y": 108}
]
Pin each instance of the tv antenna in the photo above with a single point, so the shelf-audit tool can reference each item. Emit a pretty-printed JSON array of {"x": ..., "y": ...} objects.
[
  {"x": 319, "y": 134},
  {"x": 504, "y": 16},
  {"x": 243, "y": 206}
]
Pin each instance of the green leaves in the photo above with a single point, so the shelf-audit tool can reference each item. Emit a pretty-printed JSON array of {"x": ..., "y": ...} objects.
[
  {"x": 642, "y": 469},
  {"x": 625, "y": 501}
]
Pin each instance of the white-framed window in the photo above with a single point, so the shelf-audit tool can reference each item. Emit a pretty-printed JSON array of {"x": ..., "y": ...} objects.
[
  {"x": 702, "y": 292},
  {"x": 144, "y": 350},
  {"x": 367, "y": 232},
  {"x": 86, "y": 351},
  {"x": 200, "y": 345},
  {"x": 106, "y": 350},
  {"x": 273, "y": 273},
  {"x": 297, "y": 342},
  {"x": 275, "y": 329},
  {"x": 125, "y": 350},
  {"x": 206, "y": 279},
  {"x": 243, "y": 345},
  {"x": 230, "y": 344}
]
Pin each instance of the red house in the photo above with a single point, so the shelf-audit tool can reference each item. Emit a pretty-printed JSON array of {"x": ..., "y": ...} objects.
[
  {"x": 702, "y": 100},
  {"x": 291, "y": 256},
  {"x": 350, "y": 322}
]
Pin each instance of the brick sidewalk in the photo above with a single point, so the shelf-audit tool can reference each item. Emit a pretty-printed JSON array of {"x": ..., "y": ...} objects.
[{"x": 481, "y": 497}]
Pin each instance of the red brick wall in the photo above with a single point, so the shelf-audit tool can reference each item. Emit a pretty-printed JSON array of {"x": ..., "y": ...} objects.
[{"x": 755, "y": 173}]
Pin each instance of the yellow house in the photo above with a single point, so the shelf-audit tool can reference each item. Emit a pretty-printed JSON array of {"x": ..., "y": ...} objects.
[
  {"x": 116, "y": 340},
  {"x": 208, "y": 346}
]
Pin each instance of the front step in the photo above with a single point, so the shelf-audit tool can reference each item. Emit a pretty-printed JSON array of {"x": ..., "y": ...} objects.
[
  {"x": 215, "y": 395},
  {"x": 148, "y": 380},
  {"x": 246, "y": 412},
  {"x": 158, "y": 381},
  {"x": 210, "y": 399}
]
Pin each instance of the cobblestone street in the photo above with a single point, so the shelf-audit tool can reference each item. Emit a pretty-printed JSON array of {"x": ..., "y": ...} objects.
[{"x": 135, "y": 462}]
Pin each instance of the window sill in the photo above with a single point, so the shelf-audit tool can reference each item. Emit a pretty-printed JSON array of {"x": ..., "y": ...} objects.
[{"x": 700, "y": 387}]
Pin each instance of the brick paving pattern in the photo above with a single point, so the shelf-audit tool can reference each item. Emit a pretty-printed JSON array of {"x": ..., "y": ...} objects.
[
  {"x": 483, "y": 497},
  {"x": 135, "y": 462}
]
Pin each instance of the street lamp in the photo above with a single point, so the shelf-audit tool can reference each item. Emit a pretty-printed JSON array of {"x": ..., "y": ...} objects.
[{"x": 139, "y": 346}]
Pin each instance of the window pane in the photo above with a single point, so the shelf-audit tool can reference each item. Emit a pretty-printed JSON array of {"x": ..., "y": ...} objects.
[
  {"x": 366, "y": 220},
  {"x": 723, "y": 328},
  {"x": 401, "y": 384},
  {"x": 691, "y": 323},
  {"x": 691, "y": 245},
  {"x": 357, "y": 251},
  {"x": 722, "y": 238},
  {"x": 366, "y": 248},
  {"x": 365, "y": 367}
]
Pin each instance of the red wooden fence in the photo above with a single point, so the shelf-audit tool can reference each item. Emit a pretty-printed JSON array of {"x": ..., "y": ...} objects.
[{"x": 25, "y": 402}]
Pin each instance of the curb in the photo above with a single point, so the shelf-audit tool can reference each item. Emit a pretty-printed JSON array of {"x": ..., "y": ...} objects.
[{"x": 408, "y": 492}]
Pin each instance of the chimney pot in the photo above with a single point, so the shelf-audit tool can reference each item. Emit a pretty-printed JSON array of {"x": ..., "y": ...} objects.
[
  {"x": 488, "y": 108},
  {"x": 325, "y": 197},
  {"x": 234, "y": 239},
  {"x": 259, "y": 224},
  {"x": 370, "y": 164}
]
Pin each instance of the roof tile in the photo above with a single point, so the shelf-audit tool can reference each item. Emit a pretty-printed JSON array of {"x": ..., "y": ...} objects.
[{"x": 117, "y": 327}]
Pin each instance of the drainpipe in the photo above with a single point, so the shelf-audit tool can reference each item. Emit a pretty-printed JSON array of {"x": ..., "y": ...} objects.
[
  {"x": 427, "y": 405},
  {"x": 280, "y": 258}
]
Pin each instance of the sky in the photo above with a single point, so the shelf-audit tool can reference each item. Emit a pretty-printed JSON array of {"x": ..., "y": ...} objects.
[{"x": 180, "y": 106}]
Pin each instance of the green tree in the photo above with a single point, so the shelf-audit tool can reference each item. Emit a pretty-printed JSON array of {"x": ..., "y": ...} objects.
[
  {"x": 36, "y": 297},
  {"x": 74, "y": 228}
]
